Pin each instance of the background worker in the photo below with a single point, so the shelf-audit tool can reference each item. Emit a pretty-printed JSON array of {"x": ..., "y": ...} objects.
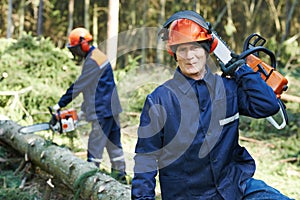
[
  {"x": 189, "y": 125},
  {"x": 101, "y": 102}
]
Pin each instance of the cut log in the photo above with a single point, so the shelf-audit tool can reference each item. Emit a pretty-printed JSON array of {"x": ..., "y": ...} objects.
[{"x": 81, "y": 177}]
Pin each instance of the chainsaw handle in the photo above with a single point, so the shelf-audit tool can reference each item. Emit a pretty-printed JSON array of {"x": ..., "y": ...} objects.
[
  {"x": 55, "y": 119},
  {"x": 253, "y": 50},
  {"x": 259, "y": 41},
  {"x": 50, "y": 110}
]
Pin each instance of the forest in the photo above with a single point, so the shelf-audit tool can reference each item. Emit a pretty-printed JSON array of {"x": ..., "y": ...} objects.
[
  {"x": 37, "y": 68},
  {"x": 136, "y": 23}
]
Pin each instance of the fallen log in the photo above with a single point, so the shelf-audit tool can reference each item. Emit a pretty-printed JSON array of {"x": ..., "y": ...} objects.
[
  {"x": 83, "y": 178},
  {"x": 290, "y": 98}
]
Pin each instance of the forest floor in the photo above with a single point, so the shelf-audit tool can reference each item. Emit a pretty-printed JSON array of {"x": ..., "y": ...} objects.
[
  {"x": 21, "y": 180},
  {"x": 279, "y": 173}
]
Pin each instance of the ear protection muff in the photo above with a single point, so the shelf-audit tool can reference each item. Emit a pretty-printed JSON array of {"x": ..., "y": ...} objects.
[
  {"x": 214, "y": 41},
  {"x": 164, "y": 32},
  {"x": 84, "y": 45},
  {"x": 213, "y": 44},
  {"x": 171, "y": 51}
]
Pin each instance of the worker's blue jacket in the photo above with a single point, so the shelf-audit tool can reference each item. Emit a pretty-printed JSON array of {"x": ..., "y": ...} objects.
[
  {"x": 189, "y": 132},
  {"x": 96, "y": 82}
]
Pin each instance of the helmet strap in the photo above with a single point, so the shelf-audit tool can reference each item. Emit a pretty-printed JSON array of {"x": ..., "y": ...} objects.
[{"x": 175, "y": 56}]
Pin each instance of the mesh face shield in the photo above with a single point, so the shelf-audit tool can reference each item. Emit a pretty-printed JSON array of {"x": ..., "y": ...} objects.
[{"x": 77, "y": 52}]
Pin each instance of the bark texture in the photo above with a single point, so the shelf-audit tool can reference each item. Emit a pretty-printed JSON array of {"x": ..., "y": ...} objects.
[{"x": 80, "y": 176}]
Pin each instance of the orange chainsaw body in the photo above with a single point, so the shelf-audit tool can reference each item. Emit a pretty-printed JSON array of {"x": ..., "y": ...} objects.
[
  {"x": 68, "y": 118},
  {"x": 272, "y": 77}
]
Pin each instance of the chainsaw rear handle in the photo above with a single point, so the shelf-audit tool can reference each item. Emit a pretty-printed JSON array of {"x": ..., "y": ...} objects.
[{"x": 54, "y": 120}]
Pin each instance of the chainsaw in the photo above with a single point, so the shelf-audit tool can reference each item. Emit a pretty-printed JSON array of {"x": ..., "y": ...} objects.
[
  {"x": 62, "y": 121},
  {"x": 253, "y": 45}
]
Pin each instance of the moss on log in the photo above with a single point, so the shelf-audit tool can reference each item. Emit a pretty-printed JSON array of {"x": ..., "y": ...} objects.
[{"x": 80, "y": 176}]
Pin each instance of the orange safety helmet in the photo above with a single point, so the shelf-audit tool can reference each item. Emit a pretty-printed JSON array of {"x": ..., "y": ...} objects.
[
  {"x": 187, "y": 26},
  {"x": 80, "y": 36}
]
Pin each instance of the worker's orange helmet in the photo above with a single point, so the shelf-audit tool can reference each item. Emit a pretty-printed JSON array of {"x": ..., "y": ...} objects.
[
  {"x": 185, "y": 27},
  {"x": 185, "y": 31},
  {"x": 80, "y": 36}
]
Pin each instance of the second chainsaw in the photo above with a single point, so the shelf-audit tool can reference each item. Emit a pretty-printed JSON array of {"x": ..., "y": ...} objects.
[{"x": 63, "y": 121}]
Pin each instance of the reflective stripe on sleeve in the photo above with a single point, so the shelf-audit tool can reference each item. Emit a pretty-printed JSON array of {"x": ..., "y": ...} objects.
[{"x": 229, "y": 119}]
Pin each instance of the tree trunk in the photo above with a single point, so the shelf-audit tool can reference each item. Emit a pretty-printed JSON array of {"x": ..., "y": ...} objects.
[
  {"x": 70, "y": 16},
  {"x": 22, "y": 17},
  {"x": 9, "y": 20},
  {"x": 86, "y": 14},
  {"x": 80, "y": 176},
  {"x": 230, "y": 27},
  {"x": 40, "y": 19},
  {"x": 112, "y": 31},
  {"x": 95, "y": 23},
  {"x": 160, "y": 43},
  {"x": 275, "y": 15},
  {"x": 144, "y": 36}
]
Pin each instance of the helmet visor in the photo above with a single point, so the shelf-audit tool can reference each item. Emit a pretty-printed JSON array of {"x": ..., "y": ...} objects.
[{"x": 77, "y": 52}]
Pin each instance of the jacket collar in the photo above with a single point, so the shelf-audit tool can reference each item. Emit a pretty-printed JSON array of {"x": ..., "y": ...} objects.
[
  {"x": 90, "y": 50},
  {"x": 186, "y": 83}
]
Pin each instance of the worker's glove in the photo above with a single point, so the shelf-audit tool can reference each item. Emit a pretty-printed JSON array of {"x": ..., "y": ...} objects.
[
  {"x": 232, "y": 66},
  {"x": 56, "y": 108}
]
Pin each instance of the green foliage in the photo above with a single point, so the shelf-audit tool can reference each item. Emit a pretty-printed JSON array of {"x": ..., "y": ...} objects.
[
  {"x": 35, "y": 64},
  {"x": 10, "y": 187},
  {"x": 135, "y": 97},
  {"x": 287, "y": 139},
  {"x": 138, "y": 96}
]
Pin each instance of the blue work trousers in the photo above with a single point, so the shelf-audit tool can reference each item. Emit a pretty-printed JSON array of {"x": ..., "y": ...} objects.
[
  {"x": 257, "y": 189},
  {"x": 106, "y": 134}
]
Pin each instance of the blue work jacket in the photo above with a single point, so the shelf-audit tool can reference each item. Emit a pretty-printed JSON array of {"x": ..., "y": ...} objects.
[
  {"x": 96, "y": 83},
  {"x": 189, "y": 132}
]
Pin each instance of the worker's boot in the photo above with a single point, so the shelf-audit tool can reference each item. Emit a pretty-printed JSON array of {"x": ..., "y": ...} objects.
[{"x": 119, "y": 175}]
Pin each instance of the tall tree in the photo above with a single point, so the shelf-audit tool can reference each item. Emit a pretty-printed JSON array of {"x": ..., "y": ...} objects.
[
  {"x": 22, "y": 17},
  {"x": 9, "y": 20},
  {"x": 95, "y": 22},
  {"x": 86, "y": 14},
  {"x": 35, "y": 6},
  {"x": 70, "y": 16},
  {"x": 40, "y": 19},
  {"x": 160, "y": 43},
  {"x": 251, "y": 10},
  {"x": 275, "y": 14},
  {"x": 144, "y": 36},
  {"x": 112, "y": 31},
  {"x": 230, "y": 27},
  {"x": 289, "y": 13}
]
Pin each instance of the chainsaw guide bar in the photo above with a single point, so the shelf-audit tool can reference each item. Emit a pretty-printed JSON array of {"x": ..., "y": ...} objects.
[{"x": 34, "y": 128}]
